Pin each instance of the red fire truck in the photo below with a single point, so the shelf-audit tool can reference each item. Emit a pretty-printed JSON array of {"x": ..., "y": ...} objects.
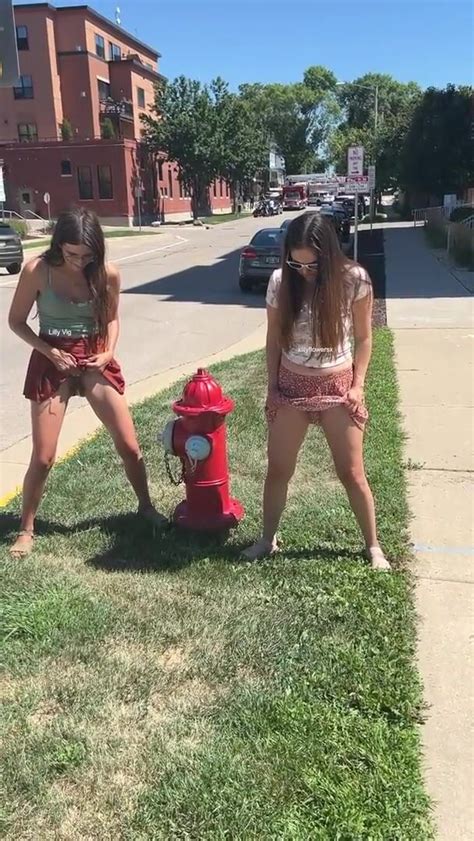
[{"x": 295, "y": 196}]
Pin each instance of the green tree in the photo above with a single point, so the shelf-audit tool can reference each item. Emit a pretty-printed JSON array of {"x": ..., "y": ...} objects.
[
  {"x": 184, "y": 129},
  {"x": 243, "y": 146},
  {"x": 107, "y": 129},
  {"x": 437, "y": 152},
  {"x": 66, "y": 129},
  {"x": 382, "y": 138}
]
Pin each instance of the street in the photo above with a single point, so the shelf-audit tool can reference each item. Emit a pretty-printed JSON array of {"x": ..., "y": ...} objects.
[{"x": 180, "y": 301}]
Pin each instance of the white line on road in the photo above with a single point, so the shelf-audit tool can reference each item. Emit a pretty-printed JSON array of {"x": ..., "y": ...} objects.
[
  {"x": 11, "y": 284},
  {"x": 152, "y": 250}
]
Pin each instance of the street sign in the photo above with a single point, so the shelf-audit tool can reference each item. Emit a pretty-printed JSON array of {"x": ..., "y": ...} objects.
[
  {"x": 371, "y": 174},
  {"x": 357, "y": 182},
  {"x": 355, "y": 160},
  {"x": 46, "y": 198}
]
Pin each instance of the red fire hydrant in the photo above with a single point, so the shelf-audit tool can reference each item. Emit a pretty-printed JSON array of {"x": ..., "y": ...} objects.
[{"x": 198, "y": 438}]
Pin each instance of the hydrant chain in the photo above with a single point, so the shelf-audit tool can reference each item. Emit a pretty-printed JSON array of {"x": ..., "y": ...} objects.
[{"x": 173, "y": 479}]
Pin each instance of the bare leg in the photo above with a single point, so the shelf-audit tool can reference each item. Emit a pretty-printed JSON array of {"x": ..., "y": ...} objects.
[
  {"x": 345, "y": 441},
  {"x": 46, "y": 421},
  {"x": 286, "y": 436},
  {"x": 112, "y": 409}
]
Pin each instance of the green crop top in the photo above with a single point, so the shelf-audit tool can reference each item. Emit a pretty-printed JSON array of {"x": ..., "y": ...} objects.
[{"x": 63, "y": 319}]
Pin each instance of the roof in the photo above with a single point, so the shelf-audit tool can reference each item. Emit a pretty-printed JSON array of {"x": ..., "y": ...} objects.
[{"x": 97, "y": 16}]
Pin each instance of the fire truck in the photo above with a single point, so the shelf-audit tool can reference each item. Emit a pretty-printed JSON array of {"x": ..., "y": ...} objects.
[{"x": 295, "y": 196}]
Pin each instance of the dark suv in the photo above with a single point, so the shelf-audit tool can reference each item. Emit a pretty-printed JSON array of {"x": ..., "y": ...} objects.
[{"x": 11, "y": 249}]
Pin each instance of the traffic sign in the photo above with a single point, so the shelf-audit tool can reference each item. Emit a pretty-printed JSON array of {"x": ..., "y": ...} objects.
[
  {"x": 46, "y": 198},
  {"x": 357, "y": 182},
  {"x": 371, "y": 174},
  {"x": 355, "y": 160}
]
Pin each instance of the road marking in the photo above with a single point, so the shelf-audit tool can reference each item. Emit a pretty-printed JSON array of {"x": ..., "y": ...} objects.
[
  {"x": 152, "y": 250},
  {"x": 7, "y": 283}
]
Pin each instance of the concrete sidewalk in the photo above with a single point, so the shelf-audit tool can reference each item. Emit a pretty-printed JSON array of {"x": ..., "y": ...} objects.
[{"x": 431, "y": 316}]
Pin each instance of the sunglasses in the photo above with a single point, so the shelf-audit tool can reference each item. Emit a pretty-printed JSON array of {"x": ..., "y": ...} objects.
[{"x": 294, "y": 264}]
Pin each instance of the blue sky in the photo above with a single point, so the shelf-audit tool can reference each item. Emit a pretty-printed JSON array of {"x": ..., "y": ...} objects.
[{"x": 427, "y": 41}]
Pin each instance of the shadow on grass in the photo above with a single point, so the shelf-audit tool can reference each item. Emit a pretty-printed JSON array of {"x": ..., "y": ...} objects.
[{"x": 133, "y": 545}]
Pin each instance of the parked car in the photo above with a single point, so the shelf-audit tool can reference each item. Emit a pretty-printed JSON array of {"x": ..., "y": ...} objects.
[
  {"x": 340, "y": 219},
  {"x": 11, "y": 249},
  {"x": 284, "y": 226},
  {"x": 348, "y": 203},
  {"x": 260, "y": 258}
]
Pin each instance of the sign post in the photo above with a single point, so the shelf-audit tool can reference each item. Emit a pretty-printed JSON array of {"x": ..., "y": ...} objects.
[
  {"x": 138, "y": 195},
  {"x": 2, "y": 191},
  {"x": 371, "y": 175},
  {"x": 47, "y": 201}
]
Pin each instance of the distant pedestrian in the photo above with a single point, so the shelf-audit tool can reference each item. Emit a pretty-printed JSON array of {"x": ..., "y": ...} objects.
[
  {"x": 77, "y": 297},
  {"x": 313, "y": 304}
]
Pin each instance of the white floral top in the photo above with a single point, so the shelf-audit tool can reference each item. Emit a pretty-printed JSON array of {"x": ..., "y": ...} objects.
[{"x": 302, "y": 351}]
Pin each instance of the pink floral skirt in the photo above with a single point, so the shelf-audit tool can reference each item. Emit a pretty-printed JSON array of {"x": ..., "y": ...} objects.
[{"x": 314, "y": 394}]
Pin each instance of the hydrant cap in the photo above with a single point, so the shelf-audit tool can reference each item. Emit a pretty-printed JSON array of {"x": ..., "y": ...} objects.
[{"x": 203, "y": 394}]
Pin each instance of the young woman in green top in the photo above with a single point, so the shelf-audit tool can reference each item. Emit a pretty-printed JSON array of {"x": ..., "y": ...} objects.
[{"x": 77, "y": 297}]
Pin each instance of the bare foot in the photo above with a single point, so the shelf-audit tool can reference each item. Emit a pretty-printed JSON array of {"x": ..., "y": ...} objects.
[
  {"x": 152, "y": 515},
  {"x": 23, "y": 545},
  {"x": 261, "y": 549},
  {"x": 377, "y": 559}
]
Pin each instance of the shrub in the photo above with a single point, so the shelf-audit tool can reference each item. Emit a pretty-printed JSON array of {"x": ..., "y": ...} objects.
[
  {"x": 20, "y": 227},
  {"x": 66, "y": 129},
  {"x": 460, "y": 213}
]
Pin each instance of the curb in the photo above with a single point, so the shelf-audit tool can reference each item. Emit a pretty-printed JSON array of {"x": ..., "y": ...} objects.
[{"x": 81, "y": 424}]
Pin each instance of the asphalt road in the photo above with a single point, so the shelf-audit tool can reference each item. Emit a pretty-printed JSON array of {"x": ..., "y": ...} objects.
[{"x": 180, "y": 302}]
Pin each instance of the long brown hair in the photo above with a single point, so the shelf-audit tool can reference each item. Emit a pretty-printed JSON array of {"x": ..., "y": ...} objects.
[
  {"x": 330, "y": 297},
  {"x": 80, "y": 226}
]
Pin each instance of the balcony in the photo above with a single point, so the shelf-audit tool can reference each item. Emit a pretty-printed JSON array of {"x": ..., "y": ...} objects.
[{"x": 121, "y": 109}]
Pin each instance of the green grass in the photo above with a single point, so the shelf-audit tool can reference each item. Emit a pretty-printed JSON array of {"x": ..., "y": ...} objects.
[
  {"x": 219, "y": 218},
  {"x": 157, "y": 688},
  {"x": 124, "y": 232}
]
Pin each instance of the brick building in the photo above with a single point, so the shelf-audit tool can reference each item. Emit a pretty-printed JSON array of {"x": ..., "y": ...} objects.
[{"x": 71, "y": 126}]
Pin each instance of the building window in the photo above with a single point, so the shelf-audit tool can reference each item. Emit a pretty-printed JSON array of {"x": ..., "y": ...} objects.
[
  {"x": 24, "y": 90},
  {"x": 115, "y": 52},
  {"x": 227, "y": 189},
  {"x": 104, "y": 90},
  {"x": 26, "y": 198},
  {"x": 150, "y": 66},
  {"x": 99, "y": 46},
  {"x": 66, "y": 168},
  {"x": 214, "y": 189},
  {"x": 27, "y": 132},
  {"x": 141, "y": 97},
  {"x": 170, "y": 182},
  {"x": 181, "y": 190},
  {"x": 84, "y": 180},
  {"x": 104, "y": 177},
  {"x": 221, "y": 188},
  {"x": 160, "y": 170},
  {"x": 22, "y": 38}
]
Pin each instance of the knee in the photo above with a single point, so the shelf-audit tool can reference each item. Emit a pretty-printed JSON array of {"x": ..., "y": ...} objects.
[
  {"x": 279, "y": 472},
  {"x": 43, "y": 461},
  {"x": 351, "y": 476},
  {"x": 129, "y": 451}
]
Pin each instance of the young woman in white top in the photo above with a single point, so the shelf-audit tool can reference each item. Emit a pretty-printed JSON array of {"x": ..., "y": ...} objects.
[{"x": 314, "y": 303}]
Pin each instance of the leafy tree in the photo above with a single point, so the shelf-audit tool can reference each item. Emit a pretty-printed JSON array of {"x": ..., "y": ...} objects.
[
  {"x": 184, "y": 129},
  {"x": 382, "y": 140},
  {"x": 437, "y": 153}
]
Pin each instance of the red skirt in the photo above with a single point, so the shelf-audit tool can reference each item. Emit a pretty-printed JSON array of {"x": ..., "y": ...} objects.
[
  {"x": 43, "y": 380},
  {"x": 314, "y": 394}
]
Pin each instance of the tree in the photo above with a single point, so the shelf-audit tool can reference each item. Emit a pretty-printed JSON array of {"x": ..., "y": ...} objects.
[
  {"x": 437, "y": 153},
  {"x": 396, "y": 102},
  {"x": 243, "y": 141},
  {"x": 184, "y": 129}
]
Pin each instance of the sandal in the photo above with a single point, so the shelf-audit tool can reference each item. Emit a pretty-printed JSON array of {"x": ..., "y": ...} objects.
[
  {"x": 261, "y": 549},
  {"x": 377, "y": 559},
  {"x": 21, "y": 550}
]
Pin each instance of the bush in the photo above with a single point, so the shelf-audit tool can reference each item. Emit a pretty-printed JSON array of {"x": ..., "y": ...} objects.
[
  {"x": 66, "y": 129},
  {"x": 464, "y": 255},
  {"x": 461, "y": 213},
  {"x": 107, "y": 129},
  {"x": 20, "y": 227}
]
